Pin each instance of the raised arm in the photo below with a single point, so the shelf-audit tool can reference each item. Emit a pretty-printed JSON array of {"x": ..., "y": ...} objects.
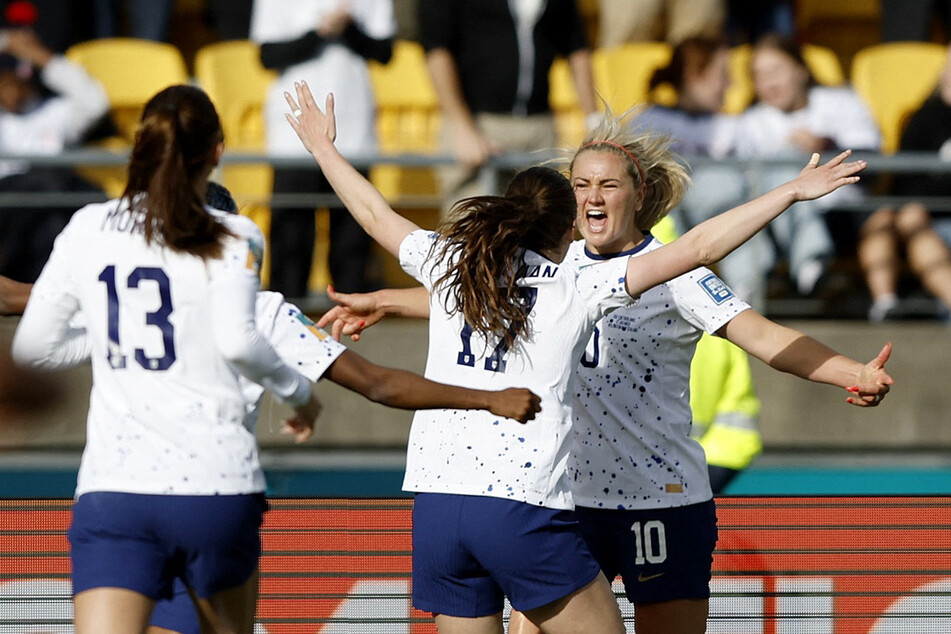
[
  {"x": 789, "y": 350},
  {"x": 715, "y": 238},
  {"x": 317, "y": 130}
]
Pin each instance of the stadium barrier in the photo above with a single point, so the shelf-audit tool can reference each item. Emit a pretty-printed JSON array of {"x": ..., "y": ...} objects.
[
  {"x": 900, "y": 163},
  {"x": 822, "y": 565}
]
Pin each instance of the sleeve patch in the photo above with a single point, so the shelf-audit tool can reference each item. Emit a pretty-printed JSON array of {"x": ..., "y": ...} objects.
[
  {"x": 255, "y": 256},
  {"x": 311, "y": 326},
  {"x": 718, "y": 291}
]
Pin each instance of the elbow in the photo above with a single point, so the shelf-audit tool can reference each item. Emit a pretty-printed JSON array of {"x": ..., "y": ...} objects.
[
  {"x": 383, "y": 385},
  {"x": 28, "y": 354},
  {"x": 380, "y": 389},
  {"x": 234, "y": 344}
]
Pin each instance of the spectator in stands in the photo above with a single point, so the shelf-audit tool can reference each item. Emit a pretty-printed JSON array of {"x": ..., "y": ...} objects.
[
  {"x": 889, "y": 232},
  {"x": 231, "y": 19},
  {"x": 749, "y": 20},
  {"x": 489, "y": 61},
  {"x": 622, "y": 21},
  {"x": 912, "y": 20},
  {"x": 47, "y": 103},
  {"x": 327, "y": 43},
  {"x": 793, "y": 117},
  {"x": 144, "y": 19},
  {"x": 699, "y": 72}
]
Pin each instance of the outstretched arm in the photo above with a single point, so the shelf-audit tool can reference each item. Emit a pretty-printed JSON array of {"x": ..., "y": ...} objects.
[
  {"x": 789, "y": 350},
  {"x": 407, "y": 390},
  {"x": 713, "y": 239},
  {"x": 355, "y": 312},
  {"x": 317, "y": 130}
]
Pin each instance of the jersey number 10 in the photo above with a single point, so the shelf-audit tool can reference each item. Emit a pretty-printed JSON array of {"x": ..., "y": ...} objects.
[{"x": 157, "y": 318}]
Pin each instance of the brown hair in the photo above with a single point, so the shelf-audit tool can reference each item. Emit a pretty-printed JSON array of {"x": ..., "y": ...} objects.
[
  {"x": 482, "y": 244},
  {"x": 788, "y": 47},
  {"x": 658, "y": 172},
  {"x": 693, "y": 54},
  {"x": 174, "y": 149}
]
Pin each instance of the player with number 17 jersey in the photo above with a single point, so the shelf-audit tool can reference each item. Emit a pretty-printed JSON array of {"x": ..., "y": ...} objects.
[
  {"x": 475, "y": 453},
  {"x": 166, "y": 412}
]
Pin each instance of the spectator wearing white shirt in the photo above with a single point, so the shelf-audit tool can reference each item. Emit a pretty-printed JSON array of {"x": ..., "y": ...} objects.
[
  {"x": 47, "y": 105},
  {"x": 792, "y": 118}
]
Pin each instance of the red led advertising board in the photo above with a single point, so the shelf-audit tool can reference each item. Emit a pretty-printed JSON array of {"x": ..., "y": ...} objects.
[{"x": 863, "y": 565}]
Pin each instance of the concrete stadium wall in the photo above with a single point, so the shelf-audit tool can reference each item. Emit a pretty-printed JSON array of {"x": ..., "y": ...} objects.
[{"x": 796, "y": 413}]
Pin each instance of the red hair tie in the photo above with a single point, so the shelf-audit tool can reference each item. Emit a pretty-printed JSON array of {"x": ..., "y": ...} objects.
[{"x": 630, "y": 155}]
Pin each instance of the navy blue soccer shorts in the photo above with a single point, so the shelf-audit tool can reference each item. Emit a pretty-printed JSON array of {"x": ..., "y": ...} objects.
[
  {"x": 143, "y": 542},
  {"x": 470, "y": 551},
  {"x": 661, "y": 554}
]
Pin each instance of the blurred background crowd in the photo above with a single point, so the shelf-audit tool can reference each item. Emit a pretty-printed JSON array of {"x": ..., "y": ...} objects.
[{"x": 749, "y": 88}]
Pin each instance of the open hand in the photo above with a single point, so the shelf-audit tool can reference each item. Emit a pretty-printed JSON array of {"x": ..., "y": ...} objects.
[
  {"x": 354, "y": 313},
  {"x": 317, "y": 129},
  {"x": 515, "y": 402},
  {"x": 817, "y": 180},
  {"x": 873, "y": 382}
]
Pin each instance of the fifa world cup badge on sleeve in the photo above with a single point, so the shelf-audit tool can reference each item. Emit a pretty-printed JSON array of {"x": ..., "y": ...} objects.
[{"x": 715, "y": 288}]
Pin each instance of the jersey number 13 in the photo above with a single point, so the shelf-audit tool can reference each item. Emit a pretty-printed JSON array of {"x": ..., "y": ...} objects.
[{"x": 157, "y": 318}]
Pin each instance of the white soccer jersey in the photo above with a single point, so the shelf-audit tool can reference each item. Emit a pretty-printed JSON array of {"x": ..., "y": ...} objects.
[
  {"x": 631, "y": 447},
  {"x": 475, "y": 452},
  {"x": 166, "y": 411}
]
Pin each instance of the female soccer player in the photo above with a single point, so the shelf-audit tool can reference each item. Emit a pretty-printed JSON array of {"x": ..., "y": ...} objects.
[
  {"x": 490, "y": 515},
  {"x": 170, "y": 484},
  {"x": 633, "y": 461}
]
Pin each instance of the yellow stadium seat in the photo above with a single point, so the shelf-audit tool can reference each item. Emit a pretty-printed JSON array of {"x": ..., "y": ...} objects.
[
  {"x": 822, "y": 62},
  {"x": 622, "y": 74},
  {"x": 894, "y": 79},
  {"x": 232, "y": 75},
  {"x": 563, "y": 100},
  {"x": 407, "y": 120},
  {"x": 131, "y": 71}
]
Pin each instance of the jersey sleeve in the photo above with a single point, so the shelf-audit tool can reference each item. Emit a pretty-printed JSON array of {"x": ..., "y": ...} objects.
[
  {"x": 233, "y": 286},
  {"x": 603, "y": 287},
  {"x": 46, "y": 336},
  {"x": 705, "y": 300},
  {"x": 295, "y": 337},
  {"x": 414, "y": 256}
]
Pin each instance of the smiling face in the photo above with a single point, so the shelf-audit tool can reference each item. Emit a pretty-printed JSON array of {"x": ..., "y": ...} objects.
[
  {"x": 780, "y": 81},
  {"x": 607, "y": 201}
]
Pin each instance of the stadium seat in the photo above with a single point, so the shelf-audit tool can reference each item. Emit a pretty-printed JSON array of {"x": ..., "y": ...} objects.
[
  {"x": 131, "y": 71},
  {"x": 232, "y": 75},
  {"x": 894, "y": 79},
  {"x": 407, "y": 121},
  {"x": 622, "y": 73},
  {"x": 563, "y": 100}
]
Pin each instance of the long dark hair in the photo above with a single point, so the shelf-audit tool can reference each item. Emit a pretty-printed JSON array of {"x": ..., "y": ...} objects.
[
  {"x": 482, "y": 245},
  {"x": 174, "y": 147},
  {"x": 694, "y": 54}
]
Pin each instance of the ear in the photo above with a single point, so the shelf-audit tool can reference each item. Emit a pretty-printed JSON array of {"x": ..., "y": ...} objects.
[{"x": 217, "y": 153}]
